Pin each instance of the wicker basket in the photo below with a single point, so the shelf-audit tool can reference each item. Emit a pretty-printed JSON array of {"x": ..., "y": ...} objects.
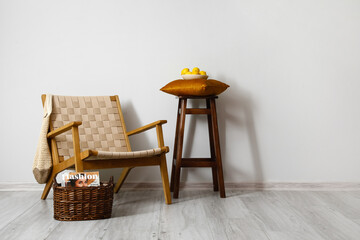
[{"x": 83, "y": 203}]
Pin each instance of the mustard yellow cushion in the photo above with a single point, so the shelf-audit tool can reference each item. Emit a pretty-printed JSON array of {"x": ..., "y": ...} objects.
[{"x": 195, "y": 87}]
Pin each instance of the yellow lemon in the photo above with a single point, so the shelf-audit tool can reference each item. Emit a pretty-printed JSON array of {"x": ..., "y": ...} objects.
[
  {"x": 184, "y": 71},
  {"x": 202, "y": 73},
  {"x": 187, "y": 73},
  {"x": 196, "y": 70}
]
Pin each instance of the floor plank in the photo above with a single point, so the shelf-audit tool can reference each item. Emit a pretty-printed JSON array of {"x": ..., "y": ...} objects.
[
  {"x": 185, "y": 218},
  {"x": 34, "y": 223},
  {"x": 197, "y": 214},
  {"x": 277, "y": 218},
  {"x": 135, "y": 215},
  {"x": 323, "y": 215},
  {"x": 344, "y": 202},
  {"x": 13, "y": 204}
]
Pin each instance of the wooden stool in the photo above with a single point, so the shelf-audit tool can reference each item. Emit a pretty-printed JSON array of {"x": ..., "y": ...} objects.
[{"x": 214, "y": 161}]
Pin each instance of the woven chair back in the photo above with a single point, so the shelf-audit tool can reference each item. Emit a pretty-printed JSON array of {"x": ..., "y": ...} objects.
[{"x": 101, "y": 127}]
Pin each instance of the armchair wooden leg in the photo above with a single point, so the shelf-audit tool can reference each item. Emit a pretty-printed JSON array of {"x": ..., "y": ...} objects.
[
  {"x": 165, "y": 179},
  {"x": 48, "y": 186},
  {"x": 124, "y": 174}
]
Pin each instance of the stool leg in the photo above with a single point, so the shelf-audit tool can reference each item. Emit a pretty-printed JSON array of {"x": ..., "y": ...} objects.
[
  {"x": 215, "y": 131},
  {"x": 215, "y": 179},
  {"x": 177, "y": 129},
  {"x": 212, "y": 150},
  {"x": 179, "y": 148}
]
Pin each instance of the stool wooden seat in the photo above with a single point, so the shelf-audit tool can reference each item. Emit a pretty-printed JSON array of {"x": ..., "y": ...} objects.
[{"x": 214, "y": 162}]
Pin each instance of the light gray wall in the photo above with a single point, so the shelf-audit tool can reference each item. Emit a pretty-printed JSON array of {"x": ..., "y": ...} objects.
[{"x": 291, "y": 114}]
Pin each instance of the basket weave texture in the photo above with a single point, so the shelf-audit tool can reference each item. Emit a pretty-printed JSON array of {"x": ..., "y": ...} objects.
[{"x": 83, "y": 203}]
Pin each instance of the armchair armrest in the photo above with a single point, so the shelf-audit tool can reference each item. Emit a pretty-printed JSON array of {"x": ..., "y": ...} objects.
[
  {"x": 146, "y": 127},
  {"x": 63, "y": 129},
  {"x": 159, "y": 133}
]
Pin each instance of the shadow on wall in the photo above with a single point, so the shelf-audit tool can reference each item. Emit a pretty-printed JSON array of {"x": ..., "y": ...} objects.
[{"x": 236, "y": 107}]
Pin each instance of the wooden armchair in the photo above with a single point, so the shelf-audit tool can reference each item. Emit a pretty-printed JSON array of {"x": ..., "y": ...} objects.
[{"x": 89, "y": 133}]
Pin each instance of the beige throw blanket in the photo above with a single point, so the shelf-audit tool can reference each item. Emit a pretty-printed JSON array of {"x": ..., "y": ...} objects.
[{"x": 42, "y": 162}]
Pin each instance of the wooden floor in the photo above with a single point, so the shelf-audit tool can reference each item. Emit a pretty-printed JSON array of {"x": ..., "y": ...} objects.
[{"x": 197, "y": 214}]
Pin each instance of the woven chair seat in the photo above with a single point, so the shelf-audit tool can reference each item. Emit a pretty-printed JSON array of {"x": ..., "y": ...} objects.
[{"x": 99, "y": 155}]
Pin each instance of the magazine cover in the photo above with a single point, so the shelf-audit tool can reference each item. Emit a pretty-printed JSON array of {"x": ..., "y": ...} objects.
[
  {"x": 82, "y": 179},
  {"x": 60, "y": 178}
]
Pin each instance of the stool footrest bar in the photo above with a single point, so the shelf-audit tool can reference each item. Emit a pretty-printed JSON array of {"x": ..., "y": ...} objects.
[
  {"x": 197, "y": 111},
  {"x": 198, "y": 162}
]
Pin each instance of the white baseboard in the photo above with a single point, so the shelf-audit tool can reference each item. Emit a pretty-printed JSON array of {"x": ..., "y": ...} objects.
[
  {"x": 21, "y": 186},
  {"x": 352, "y": 186}
]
